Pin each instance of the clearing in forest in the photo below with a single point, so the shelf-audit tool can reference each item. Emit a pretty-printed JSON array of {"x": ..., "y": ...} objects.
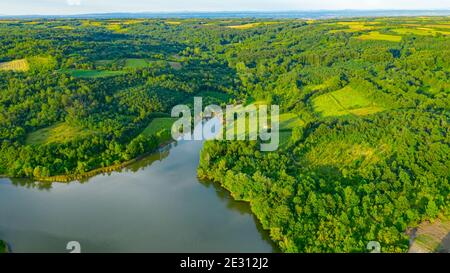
[
  {"x": 246, "y": 26},
  {"x": 116, "y": 27},
  {"x": 377, "y": 36},
  {"x": 88, "y": 23},
  {"x": 347, "y": 101},
  {"x": 105, "y": 62},
  {"x": 175, "y": 65},
  {"x": 133, "y": 21},
  {"x": 344, "y": 153},
  {"x": 58, "y": 133},
  {"x": 161, "y": 127},
  {"x": 431, "y": 237},
  {"x": 354, "y": 26},
  {"x": 420, "y": 31},
  {"x": 442, "y": 26},
  {"x": 287, "y": 122},
  {"x": 9, "y": 21},
  {"x": 174, "y": 23},
  {"x": 83, "y": 73},
  {"x": 65, "y": 27},
  {"x": 251, "y": 25},
  {"x": 136, "y": 63},
  {"x": 17, "y": 65}
]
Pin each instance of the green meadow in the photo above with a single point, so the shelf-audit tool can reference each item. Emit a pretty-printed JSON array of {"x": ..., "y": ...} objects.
[
  {"x": 420, "y": 31},
  {"x": 58, "y": 133},
  {"x": 161, "y": 127},
  {"x": 347, "y": 101},
  {"x": 287, "y": 122},
  {"x": 83, "y": 73},
  {"x": 136, "y": 63}
]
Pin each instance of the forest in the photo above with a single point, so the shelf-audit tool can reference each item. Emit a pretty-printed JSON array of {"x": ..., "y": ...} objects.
[{"x": 365, "y": 105}]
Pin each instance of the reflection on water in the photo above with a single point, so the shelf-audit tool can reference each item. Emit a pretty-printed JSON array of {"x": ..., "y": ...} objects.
[
  {"x": 243, "y": 208},
  {"x": 155, "y": 205}
]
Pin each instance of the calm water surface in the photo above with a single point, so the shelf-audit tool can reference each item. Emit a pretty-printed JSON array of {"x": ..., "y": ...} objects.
[{"x": 155, "y": 205}]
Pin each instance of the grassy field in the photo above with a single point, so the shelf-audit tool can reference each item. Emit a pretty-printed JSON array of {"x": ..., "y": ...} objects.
[
  {"x": 251, "y": 25},
  {"x": 133, "y": 63},
  {"x": 88, "y": 23},
  {"x": 65, "y": 27},
  {"x": 245, "y": 26},
  {"x": 116, "y": 27},
  {"x": 82, "y": 73},
  {"x": 353, "y": 26},
  {"x": 420, "y": 31},
  {"x": 133, "y": 21},
  {"x": 42, "y": 62},
  {"x": 17, "y": 65},
  {"x": 287, "y": 122},
  {"x": 174, "y": 23},
  {"x": 377, "y": 36},
  {"x": 136, "y": 63},
  {"x": 104, "y": 65},
  {"x": 161, "y": 127},
  {"x": 58, "y": 133},
  {"x": 346, "y": 101},
  {"x": 105, "y": 62},
  {"x": 344, "y": 153},
  {"x": 290, "y": 121},
  {"x": 440, "y": 26},
  {"x": 9, "y": 21},
  {"x": 320, "y": 87}
]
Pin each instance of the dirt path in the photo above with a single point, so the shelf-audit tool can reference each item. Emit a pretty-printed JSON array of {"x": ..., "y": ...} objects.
[{"x": 431, "y": 237}]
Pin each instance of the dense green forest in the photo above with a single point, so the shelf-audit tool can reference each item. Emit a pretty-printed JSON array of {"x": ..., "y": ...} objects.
[
  {"x": 365, "y": 104},
  {"x": 79, "y": 95}
]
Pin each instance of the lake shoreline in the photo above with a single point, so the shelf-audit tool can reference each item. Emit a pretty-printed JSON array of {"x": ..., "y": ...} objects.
[
  {"x": 67, "y": 178},
  {"x": 142, "y": 191}
]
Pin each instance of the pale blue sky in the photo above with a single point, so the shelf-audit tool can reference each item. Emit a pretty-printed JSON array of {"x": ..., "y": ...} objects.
[{"x": 15, "y": 7}]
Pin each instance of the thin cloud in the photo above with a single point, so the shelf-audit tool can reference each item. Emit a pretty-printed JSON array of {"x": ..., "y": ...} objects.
[{"x": 74, "y": 2}]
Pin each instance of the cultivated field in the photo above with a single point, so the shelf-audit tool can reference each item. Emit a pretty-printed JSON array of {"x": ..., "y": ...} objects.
[
  {"x": 353, "y": 26},
  {"x": 431, "y": 237},
  {"x": 420, "y": 31},
  {"x": 18, "y": 66},
  {"x": 251, "y": 25},
  {"x": 377, "y": 36}
]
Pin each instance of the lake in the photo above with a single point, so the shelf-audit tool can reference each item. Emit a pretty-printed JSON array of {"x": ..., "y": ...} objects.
[{"x": 154, "y": 205}]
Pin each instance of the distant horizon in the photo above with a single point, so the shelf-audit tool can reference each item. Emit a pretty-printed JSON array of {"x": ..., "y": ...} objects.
[{"x": 444, "y": 12}]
